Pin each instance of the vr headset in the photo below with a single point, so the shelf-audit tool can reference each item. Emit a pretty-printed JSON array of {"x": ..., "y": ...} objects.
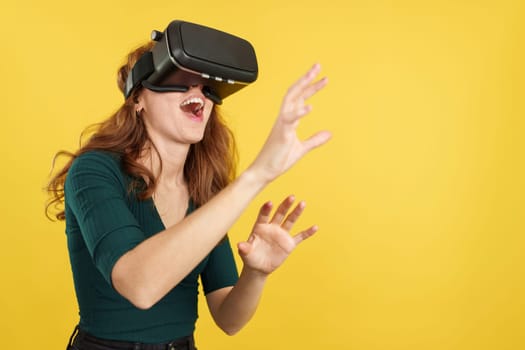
[{"x": 222, "y": 62}]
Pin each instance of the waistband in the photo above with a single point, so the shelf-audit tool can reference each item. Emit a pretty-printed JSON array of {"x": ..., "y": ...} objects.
[{"x": 83, "y": 340}]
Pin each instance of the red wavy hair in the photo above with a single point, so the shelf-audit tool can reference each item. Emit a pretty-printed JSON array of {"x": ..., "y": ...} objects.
[{"x": 211, "y": 162}]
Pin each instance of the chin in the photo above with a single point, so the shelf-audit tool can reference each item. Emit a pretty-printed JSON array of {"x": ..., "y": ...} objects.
[{"x": 194, "y": 140}]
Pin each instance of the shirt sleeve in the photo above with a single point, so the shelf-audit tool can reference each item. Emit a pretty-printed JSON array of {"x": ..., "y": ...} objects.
[
  {"x": 220, "y": 270},
  {"x": 96, "y": 193}
]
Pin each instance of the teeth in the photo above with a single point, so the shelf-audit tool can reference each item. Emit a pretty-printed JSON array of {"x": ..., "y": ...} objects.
[{"x": 197, "y": 100}]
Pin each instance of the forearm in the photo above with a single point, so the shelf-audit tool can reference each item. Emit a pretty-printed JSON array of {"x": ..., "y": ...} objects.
[
  {"x": 147, "y": 272},
  {"x": 240, "y": 304}
]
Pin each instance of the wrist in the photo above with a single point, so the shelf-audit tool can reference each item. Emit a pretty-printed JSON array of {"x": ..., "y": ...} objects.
[
  {"x": 254, "y": 179},
  {"x": 253, "y": 274}
]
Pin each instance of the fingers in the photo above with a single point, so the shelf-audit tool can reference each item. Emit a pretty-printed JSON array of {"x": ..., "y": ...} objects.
[
  {"x": 304, "y": 88},
  {"x": 293, "y": 216},
  {"x": 316, "y": 140},
  {"x": 301, "y": 236},
  {"x": 297, "y": 88},
  {"x": 288, "y": 223},
  {"x": 264, "y": 213},
  {"x": 282, "y": 210},
  {"x": 312, "y": 89},
  {"x": 300, "y": 112},
  {"x": 294, "y": 106}
]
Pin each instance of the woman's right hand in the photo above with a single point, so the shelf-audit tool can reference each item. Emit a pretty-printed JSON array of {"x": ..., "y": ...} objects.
[{"x": 283, "y": 148}]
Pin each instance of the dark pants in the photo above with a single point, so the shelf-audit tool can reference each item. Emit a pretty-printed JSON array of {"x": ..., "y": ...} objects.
[{"x": 81, "y": 340}]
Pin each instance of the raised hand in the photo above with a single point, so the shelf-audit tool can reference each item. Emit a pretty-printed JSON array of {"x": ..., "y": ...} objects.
[
  {"x": 283, "y": 148},
  {"x": 270, "y": 242}
]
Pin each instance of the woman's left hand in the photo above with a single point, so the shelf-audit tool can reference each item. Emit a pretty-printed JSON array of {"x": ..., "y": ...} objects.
[{"x": 270, "y": 242}]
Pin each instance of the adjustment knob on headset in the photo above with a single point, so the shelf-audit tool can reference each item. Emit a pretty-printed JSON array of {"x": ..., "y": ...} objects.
[{"x": 156, "y": 35}]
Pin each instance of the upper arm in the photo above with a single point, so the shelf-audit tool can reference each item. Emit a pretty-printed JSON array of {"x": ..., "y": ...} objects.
[
  {"x": 96, "y": 195},
  {"x": 219, "y": 275},
  {"x": 220, "y": 270}
]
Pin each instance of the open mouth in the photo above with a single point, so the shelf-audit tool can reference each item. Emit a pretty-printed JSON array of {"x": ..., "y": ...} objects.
[{"x": 194, "y": 106}]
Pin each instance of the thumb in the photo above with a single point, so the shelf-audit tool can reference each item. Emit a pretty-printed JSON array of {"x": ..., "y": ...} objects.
[
  {"x": 244, "y": 248},
  {"x": 317, "y": 140}
]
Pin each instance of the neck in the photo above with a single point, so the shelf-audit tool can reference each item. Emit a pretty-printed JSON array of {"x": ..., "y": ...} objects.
[{"x": 173, "y": 158}]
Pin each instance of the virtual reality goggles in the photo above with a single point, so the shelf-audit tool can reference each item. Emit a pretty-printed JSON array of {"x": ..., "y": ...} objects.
[{"x": 188, "y": 54}]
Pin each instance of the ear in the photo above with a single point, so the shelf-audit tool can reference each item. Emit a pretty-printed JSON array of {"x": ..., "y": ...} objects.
[{"x": 139, "y": 106}]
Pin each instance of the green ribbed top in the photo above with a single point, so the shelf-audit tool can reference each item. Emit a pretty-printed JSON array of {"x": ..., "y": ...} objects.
[{"x": 104, "y": 221}]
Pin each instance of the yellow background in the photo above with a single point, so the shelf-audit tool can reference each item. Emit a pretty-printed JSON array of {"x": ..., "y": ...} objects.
[{"x": 419, "y": 196}]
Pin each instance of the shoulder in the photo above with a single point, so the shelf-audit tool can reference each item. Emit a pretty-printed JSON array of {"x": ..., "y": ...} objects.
[
  {"x": 96, "y": 166},
  {"x": 96, "y": 159}
]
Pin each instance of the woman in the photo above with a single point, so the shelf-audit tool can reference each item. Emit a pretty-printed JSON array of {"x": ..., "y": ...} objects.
[{"x": 147, "y": 202}]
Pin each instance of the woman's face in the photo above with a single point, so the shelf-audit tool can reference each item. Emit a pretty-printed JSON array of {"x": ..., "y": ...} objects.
[{"x": 176, "y": 116}]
